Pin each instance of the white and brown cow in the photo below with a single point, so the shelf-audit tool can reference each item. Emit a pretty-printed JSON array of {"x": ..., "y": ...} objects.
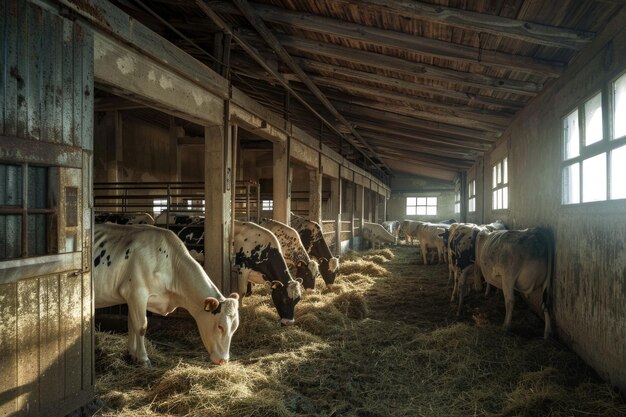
[
  {"x": 314, "y": 243},
  {"x": 148, "y": 268},
  {"x": 517, "y": 260},
  {"x": 430, "y": 235},
  {"x": 124, "y": 218},
  {"x": 408, "y": 230},
  {"x": 392, "y": 226},
  {"x": 296, "y": 256},
  {"x": 260, "y": 259},
  {"x": 376, "y": 234}
]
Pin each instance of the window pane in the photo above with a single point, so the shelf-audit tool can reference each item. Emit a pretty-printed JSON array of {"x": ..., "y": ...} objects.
[
  {"x": 505, "y": 171},
  {"x": 499, "y": 171},
  {"x": 505, "y": 197},
  {"x": 457, "y": 207},
  {"x": 411, "y": 211},
  {"x": 618, "y": 173},
  {"x": 421, "y": 210},
  {"x": 570, "y": 135},
  {"x": 37, "y": 239},
  {"x": 593, "y": 120},
  {"x": 10, "y": 185},
  {"x": 421, "y": 201},
  {"x": 594, "y": 178},
  {"x": 571, "y": 184},
  {"x": 472, "y": 205},
  {"x": 411, "y": 201},
  {"x": 432, "y": 201},
  {"x": 619, "y": 107},
  {"x": 431, "y": 211},
  {"x": 494, "y": 200},
  {"x": 495, "y": 177},
  {"x": 37, "y": 187},
  {"x": 11, "y": 232}
]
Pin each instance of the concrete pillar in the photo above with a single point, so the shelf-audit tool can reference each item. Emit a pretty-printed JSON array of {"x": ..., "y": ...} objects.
[
  {"x": 281, "y": 182},
  {"x": 315, "y": 195},
  {"x": 217, "y": 194},
  {"x": 360, "y": 209},
  {"x": 464, "y": 196},
  {"x": 335, "y": 201}
]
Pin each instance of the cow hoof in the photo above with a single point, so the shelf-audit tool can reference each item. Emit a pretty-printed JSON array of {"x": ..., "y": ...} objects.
[{"x": 145, "y": 363}]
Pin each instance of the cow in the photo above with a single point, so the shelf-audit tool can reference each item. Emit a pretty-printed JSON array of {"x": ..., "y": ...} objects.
[
  {"x": 314, "y": 243},
  {"x": 124, "y": 218},
  {"x": 376, "y": 233},
  {"x": 193, "y": 239},
  {"x": 166, "y": 218},
  {"x": 431, "y": 235},
  {"x": 392, "y": 226},
  {"x": 148, "y": 268},
  {"x": 260, "y": 259},
  {"x": 517, "y": 260},
  {"x": 408, "y": 230},
  {"x": 296, "y": 255}
]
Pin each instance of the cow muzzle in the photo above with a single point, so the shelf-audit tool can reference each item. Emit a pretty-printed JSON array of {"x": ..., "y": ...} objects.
[
  {"x": 219, "y": 361},
  {"x": 287, "y": 322}
]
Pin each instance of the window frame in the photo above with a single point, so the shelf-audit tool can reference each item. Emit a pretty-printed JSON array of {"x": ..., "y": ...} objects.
[
  {"x": 267, "y": 207},
  {"x": 471, "y": 199},
  {"x": 24, "y": 210},
  {"x": 604, "y": 146},
  {"x": 498, "y": 183},
  {"x": 457, "y": 202},
  {"x": 426, "y": 205}
]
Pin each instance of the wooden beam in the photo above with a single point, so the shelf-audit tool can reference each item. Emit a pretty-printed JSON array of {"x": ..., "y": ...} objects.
[
  {"x": 362, "y": 76},
  {"x": 415, "y": 69},
  {"x": 396, "y": 40},
  {"x": 448, "y": 110},
  {"x": 530, "y": 32},
  {"x": 271, "y": 40},
  {"x": 259, "y": 59},
  {"x": 403, "y": 145},
  {"x": 112, "y": 103},
  {"x": 423, "y": 170}
]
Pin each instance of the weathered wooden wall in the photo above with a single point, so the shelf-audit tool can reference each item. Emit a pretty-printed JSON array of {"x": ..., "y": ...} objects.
[
  {"x": 46, "y": 116},
  {"x": 590, "y": 269},
  {"x": 403, "y": 187}
]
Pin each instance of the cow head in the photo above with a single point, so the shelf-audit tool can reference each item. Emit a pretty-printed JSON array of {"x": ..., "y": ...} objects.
[
  {"x": 217, "y": 322},
  {"x": 307, "y": 274},
  {"x": 285, "y": 298},
  {"x": 329, "y": 269}
]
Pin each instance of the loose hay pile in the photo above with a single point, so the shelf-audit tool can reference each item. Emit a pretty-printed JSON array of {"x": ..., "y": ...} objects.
[{"x": 379, "y": 342}]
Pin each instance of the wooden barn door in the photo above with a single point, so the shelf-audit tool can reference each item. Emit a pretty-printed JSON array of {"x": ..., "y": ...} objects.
[{"x": 46, "y": 296}]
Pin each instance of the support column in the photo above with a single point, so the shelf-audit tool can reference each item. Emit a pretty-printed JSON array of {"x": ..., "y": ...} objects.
[
  {"x": 376, "y": 207},
  {"x": 281, "y": 182},
  {"x": 360, "y": 208},
  {"x": 335, "y": 200},
  {"x": 115, "y": 157},
  {"x": 217, "y": 190},
  {"x": 464, "y": 196},
  {"x": 315, "y": 195},
  {"x": 385, "y": 200}
]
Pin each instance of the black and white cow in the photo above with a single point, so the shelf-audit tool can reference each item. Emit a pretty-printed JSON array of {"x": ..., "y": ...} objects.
[
  {"x": 123, "y": 218},
  {"x": 296, "y": 256},
  {"x": 166, "y": 218},
  {"x": 314, "y": 243},
  {"x": 148, "y": 268},
  {"x": 260, "y": 259}
]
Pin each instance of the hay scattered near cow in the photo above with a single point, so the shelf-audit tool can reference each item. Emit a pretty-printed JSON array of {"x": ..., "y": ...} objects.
[
  {"x": 368, "y": 346},
  {"x": 364, "y": 267}
]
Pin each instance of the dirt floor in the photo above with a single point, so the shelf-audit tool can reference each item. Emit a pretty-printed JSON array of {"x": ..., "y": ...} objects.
[{"x": 385, "y": 341}]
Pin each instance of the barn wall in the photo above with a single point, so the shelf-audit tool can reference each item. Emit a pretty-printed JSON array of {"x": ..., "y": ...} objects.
[
  {"x": 46, "y": 302},
  {"x": 404, "y": 186},
  {"x": 590, "y": 266}
]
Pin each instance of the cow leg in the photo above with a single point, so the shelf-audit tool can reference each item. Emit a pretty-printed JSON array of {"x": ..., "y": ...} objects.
[
  {"x": 487, "y": 289},
  {"x": 461, "y": 289},
  {"x": 509, "y": 303},
  {"x": 137, "y": 326},
  {"x": 424, "y": 250},
  {"x": 455, "y": 287}
]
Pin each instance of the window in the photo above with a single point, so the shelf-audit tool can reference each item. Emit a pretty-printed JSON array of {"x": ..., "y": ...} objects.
[
  {"x": 500, "y": 188},
  {"x": 457, "y": 202},
  {"x": 195, "y": 204},
  {"x": 471, "y": 202},
  {"x": 267, "y": 205},
  {"x": 421, "y": 206},
  {"x": 158, "y": 206},
  {"x": 28, "y": 207},
  {"x": 594, "y": 165}
]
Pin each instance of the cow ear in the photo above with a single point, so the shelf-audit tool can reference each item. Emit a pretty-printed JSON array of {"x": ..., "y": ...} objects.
[
  {"x": 322, "y": 259},
  {"x": 234, "y": 295},
  {"x": 210, "y": 304},
  {"x": 299, "y": 280},
  {"x": 277, "y": 284}
]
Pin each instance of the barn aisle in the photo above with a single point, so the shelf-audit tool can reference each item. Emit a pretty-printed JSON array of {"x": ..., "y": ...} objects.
[{"x": 384, "y": 341}]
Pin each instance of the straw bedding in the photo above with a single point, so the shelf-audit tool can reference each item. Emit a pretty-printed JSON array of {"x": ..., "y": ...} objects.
[{"x": 382, "y": 341}]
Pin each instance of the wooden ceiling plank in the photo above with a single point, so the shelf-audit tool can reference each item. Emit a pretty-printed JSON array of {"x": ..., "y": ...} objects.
[
  {"x": 420, "y": 70},
  {"x": 398, "y": 40},
  {"x": 530, "y": 32},
  {"x": 252, "y": 16}
]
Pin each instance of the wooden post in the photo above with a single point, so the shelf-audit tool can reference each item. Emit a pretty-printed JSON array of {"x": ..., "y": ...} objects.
[
  {"x": 217, "y": 188},
  {"x": 315, "y": 195},
  {"x": 463, "y": 180},
  {"x": 335, "y": 200},
  {"x": 360, "y": 202},
  {"x": 115, "y": 155},
  {"x": 385, "y": 200},
  {"x": 281, "y": 182}
]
